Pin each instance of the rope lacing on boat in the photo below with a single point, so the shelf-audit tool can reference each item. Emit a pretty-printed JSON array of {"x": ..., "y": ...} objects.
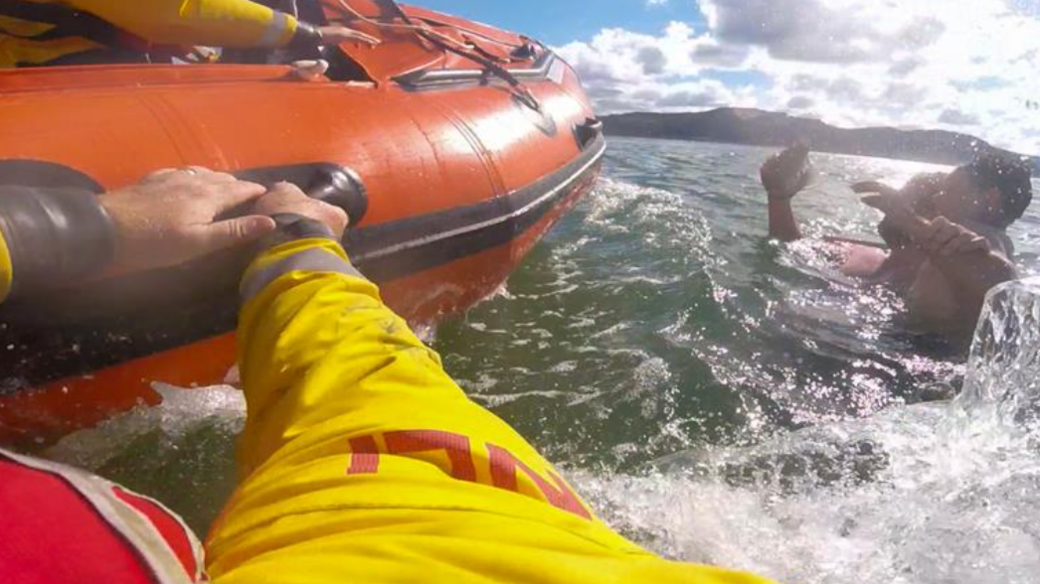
[{"x": 423, "y": 31}]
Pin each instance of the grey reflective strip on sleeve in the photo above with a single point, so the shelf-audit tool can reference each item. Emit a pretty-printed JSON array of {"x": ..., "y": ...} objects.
[
  {"x": 278, "y": 26},
  {"x": 311, "y": 260}
]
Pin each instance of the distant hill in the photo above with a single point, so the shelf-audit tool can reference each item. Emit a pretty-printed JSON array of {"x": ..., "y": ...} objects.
[{"x": 762, "y": 128}]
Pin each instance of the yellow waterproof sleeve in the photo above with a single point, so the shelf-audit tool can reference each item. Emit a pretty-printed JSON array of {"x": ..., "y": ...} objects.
[
  {"x": 223, "y": 23},
  {"x": 362, "y": 461}
]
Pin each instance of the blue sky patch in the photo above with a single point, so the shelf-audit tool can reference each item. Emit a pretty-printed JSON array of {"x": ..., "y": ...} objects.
[{"x": 557, "y": 22}]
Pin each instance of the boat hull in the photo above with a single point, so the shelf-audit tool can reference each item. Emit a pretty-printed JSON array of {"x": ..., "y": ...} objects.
[{"x": 457, "y": 181}]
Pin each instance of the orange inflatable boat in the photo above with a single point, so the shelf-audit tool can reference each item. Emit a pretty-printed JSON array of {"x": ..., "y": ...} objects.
[{"x": 455, "y": 146}]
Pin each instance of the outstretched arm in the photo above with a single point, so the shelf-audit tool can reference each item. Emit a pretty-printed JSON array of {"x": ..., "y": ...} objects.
[{"x": 782, "y": 223}]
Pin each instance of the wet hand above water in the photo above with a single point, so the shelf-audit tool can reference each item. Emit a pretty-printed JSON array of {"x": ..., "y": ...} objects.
[
  {"x": 937, "y": 236},
  {"x": 786, "y": 173},
  {"x": 945, "y": 238},
  {"x": 892, "y": 203}
]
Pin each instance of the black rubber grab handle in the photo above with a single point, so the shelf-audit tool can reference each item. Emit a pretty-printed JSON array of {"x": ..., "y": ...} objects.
[
  {"x": 588, "y": 131},
  {"x": 342, "y": 187},
  {"x": 332, "y": 183}
]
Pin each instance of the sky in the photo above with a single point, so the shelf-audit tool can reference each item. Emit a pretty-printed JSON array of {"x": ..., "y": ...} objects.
[{"x": 963, "y": 65}]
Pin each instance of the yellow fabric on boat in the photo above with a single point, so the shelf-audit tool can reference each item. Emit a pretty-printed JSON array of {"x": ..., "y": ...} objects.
[
  {"x": 19, "y": 45},
  {"x": 223, "y": 23},
  {"x": 362, "y": 461}
]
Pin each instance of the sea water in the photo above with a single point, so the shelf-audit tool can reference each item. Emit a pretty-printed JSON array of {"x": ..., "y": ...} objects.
[
  {"x": 927, "y": 493},
  {"x": 716, "y": 396}
]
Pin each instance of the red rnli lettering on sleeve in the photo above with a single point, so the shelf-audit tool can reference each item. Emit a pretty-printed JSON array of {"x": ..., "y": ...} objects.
[
  {"x": 457, "y": 447},
  {"x": 503, "y": 474},
  {"x": 503, "y": 465},
  {"x": 364, "y": 458}
]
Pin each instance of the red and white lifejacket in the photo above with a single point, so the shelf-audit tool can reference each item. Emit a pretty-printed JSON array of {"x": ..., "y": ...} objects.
[{"x": 61, "y": 525}]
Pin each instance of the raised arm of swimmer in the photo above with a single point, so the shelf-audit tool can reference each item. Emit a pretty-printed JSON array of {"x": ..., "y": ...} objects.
[{"x": 784, "y": 175}]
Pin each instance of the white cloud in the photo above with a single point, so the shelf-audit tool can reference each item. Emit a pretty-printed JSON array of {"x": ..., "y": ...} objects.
[
  {"x": 815, "y": 31},
  {"x": 627, "y": 70},
  {"x": 966, "y": 65}
]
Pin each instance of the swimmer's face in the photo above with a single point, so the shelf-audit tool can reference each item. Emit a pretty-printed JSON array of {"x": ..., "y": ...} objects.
[{"x": 960, "y": 199}]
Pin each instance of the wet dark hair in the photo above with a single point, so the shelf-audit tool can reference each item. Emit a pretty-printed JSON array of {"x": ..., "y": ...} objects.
[{"x": 1011, "y": 176}]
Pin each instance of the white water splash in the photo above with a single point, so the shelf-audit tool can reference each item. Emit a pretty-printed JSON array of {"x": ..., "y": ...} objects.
[
  {"x": 181, "y": 452},
  {"x": 930, "y": 494},
  {"x": 1005, "y": 357},
  {"x": 182, "y": 412}
]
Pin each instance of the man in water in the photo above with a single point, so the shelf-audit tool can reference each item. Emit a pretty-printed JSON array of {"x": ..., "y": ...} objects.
[
  {"x": 361, "y": 460},
  {"x": 945, "y": 233}
]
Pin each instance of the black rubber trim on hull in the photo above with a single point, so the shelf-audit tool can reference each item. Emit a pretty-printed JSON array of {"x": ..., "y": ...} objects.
[
  {"x": 38, "y": 354},
  {"x": 398, "y": 248}
]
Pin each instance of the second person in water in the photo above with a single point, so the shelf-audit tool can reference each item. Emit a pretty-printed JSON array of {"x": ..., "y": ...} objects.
[{"x": 944, "y": 233}]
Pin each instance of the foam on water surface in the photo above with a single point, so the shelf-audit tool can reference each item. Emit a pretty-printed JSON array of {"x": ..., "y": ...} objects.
[
  {"x": 181, "y": 451},
  {"x": 933, "y": 493}
]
